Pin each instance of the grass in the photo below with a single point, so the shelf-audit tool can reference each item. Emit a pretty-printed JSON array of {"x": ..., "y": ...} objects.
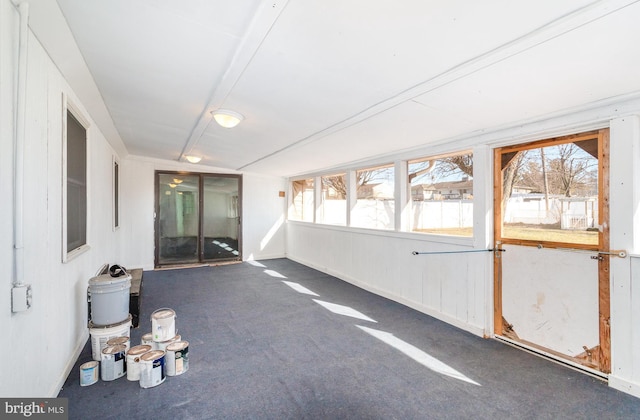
[{"x": 545, "y": 234}]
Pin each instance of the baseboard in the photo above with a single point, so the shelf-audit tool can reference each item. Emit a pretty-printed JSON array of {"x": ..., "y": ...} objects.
[
  {"x": 71, "y": 362},
  {"x": 479, "y": 331},
  {"x": 632, "y": 388}
]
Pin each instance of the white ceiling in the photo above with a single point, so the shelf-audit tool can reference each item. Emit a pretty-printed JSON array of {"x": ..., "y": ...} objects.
[{"x": 325, "y": 83}]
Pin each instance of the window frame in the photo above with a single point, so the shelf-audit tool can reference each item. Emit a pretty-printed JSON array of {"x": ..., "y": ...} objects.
[
  {"x": 412, "y": 203},
  {"x": 68, "y": 107}
]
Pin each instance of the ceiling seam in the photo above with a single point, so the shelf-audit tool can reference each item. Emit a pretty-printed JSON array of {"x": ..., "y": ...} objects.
[{"x": 249, "y": 46}]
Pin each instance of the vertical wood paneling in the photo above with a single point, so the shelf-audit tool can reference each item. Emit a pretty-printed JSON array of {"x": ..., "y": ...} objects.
[{"x": 435, "y": 284}]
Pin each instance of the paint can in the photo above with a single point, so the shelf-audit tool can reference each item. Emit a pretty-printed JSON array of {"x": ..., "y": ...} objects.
[
  {"x": 120, "y": 340},
  {"x": 152, "y": 368},
  {"x": 101, "y": 334},
  {"x": 162, "y": 345},
  {"x": 147, "y": 339},
  {"x": 113, "y": 363},
  {"x": 109, "y": 298},
  {"x": 177, "y": 358},
  {"x": 133, "y": 361},
  {"x": 89, "y": 373},
  {"x": 163, "y": 324}
]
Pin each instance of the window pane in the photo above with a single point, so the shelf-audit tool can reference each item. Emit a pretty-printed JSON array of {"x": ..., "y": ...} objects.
[
  {"x": 334, "y": 200},
  {"x": 301, "y": 207},
  {"x": 442, "y": 195},
  {"x": 550, "y": 193},
  {"x": 375, "y": 200},
  {"x": 76, "y": 218}
]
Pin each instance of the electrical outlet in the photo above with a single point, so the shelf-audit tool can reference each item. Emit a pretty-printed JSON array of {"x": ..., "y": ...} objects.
[{"x": 21, "y": 298}]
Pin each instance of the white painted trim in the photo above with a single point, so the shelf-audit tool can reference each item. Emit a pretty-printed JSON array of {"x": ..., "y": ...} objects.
[
  {"x": 473, "y": 329},
  {"x": 624, "y": 385},
  {"x": 425, "y": 237},
  {"x": 69, "y": 106},
  {"x": 71, "y": 361}
]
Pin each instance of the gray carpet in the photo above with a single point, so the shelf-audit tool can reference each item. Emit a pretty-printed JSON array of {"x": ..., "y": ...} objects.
[{"x": 259, "y": 349}]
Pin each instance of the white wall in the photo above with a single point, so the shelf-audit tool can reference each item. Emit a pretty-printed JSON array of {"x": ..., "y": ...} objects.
[
  {"x": 262, "y": 211},
  {"x": 459, "y": 289},
  {"x": 48, "y": 337}
]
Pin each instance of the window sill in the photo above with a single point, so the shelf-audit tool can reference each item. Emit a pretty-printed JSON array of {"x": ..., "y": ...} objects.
[{"x": 75, "y": 253}]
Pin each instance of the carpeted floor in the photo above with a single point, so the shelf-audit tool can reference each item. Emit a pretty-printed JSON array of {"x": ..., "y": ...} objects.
[{"x": 263, "y": 347}]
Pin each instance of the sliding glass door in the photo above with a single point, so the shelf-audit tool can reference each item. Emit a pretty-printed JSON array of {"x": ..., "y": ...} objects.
[
  {"x": 221, "y": 220},
  {"x": 197, "y": 218}
]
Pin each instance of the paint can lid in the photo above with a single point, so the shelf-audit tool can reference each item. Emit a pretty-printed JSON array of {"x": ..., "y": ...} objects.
[
  {"x": 140, "y": 349},
  {"x": 178, "y": 345},
  {"x": 89, "y": 365},
  {"x": 117, "y": 340},
  {"x": 118, "y": 348},
  {"x": 163, "y": 313},
  {"x": 152, "y": 355},
  {"x": 106, "y": 279}
]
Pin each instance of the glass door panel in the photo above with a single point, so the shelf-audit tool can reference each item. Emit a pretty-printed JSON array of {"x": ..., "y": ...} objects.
[
  {"x": 178, "y": 225},
  {"x": 220, "y": 217}
]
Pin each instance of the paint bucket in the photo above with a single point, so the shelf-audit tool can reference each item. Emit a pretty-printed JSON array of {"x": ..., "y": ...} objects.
[
  {"x": 113, "y": 363},
  {"x": 101, "y": 334},
  {"x": 152, "y": 368},
  {"x": 89, "y": 373},
  {"x": 147, "y": 339},
  {"x": 176, "y": 360},
  {"x": 162, "y": 345},
  {"x": 163, "y": 324},
  {"x": 133, "y": 361},
  {"x": 120, "y": 340},
  {"x": 109, "y": 299}
]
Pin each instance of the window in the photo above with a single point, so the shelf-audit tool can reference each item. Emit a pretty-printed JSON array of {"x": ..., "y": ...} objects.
[
  {"x": 116, "y": 193},
  {"x": 375, "y": 204},
  {"x": 334, "y": 200},
  {"x": 550, "y": 190},
  {"x": 441, "y": 191},
  {"x": 301, "y": 206},
  {"x": 75, "y": 191}
]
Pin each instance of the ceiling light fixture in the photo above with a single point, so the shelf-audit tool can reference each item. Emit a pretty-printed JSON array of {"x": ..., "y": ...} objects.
[
  {"x": 193, "y": 159},
  {"x": 227, "y": 118},
  {"x": 177, "y": 181}
]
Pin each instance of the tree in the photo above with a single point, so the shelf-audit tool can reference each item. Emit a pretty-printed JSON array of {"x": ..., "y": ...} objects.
[{"x": 572, "y": 169}]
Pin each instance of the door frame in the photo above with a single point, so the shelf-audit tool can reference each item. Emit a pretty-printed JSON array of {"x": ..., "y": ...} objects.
[
  {"x": 601, "y": 250},
  {"x": 200, "y": 241}
]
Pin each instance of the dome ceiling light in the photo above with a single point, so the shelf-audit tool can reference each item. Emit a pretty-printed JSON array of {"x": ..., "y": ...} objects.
[{"x": 227, "y": 118}]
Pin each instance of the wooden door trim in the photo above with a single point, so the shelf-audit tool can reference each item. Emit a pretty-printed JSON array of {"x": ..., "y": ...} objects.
[{"x": 604, "y": 289}]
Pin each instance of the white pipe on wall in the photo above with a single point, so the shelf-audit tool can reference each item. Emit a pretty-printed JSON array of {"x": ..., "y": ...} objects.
[{"x": 18, "y": 164}]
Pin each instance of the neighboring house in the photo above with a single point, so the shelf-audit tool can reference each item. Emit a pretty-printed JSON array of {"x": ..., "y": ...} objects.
[
  {"x": 379, "y": 191},
  {"x": 451, "y": 190}
]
